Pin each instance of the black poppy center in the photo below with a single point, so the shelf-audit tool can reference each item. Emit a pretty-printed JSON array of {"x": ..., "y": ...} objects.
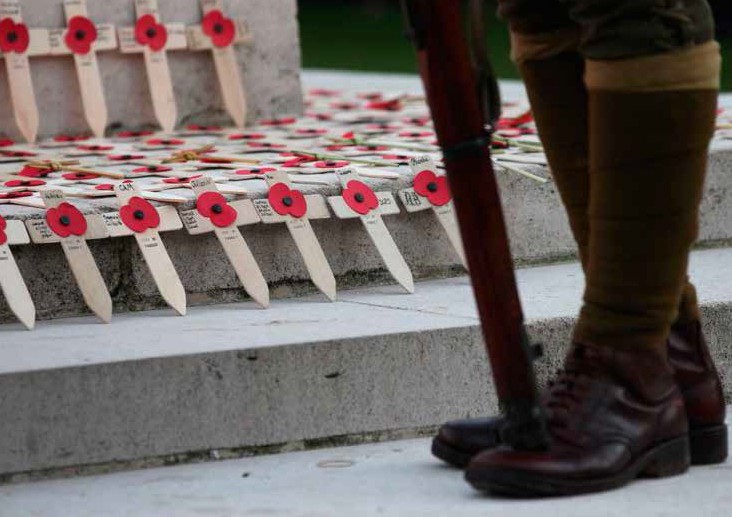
[
  {"x": 287, "y": 201},
  {"x": 217, "y": 208},
  {"x": 64, "y": 220},
  {"x": 218, "y": 28},
  {"x": 359, "y": 197},
  {"x": 12, "y": 37},
  {"x": 152, "y": 168},
  {"x": 126, "y": 157},
  {"x": 151, "y": 32},
  {"x": 80, "y": 34},
  {"x": 432, "y": 186},
  {"x": 330, "y": 164},
  {"x": 139, "y": 215}
]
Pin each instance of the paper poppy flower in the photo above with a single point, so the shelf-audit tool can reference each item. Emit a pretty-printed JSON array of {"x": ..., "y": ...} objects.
[
  {"x": 66, "y": 220},
  {"x": 139, "y": 215},
  {"x": 319, "y": 116},
  {"x": 359, "y": 197},
  {"x": 265, "y": 145},
  {"x": 389, "y": 105},
  {"x": 247, "y": 136},
  {"x": 16, "y": 194},
  {"x": 433, "y": 187},
  {"x": 80, "y": 35},
  {"x": 108, "y": 186},
  {"x": 6, "y": 142},
  {"x": 95, "y": 147},
  {"x": 198, "y": 127},
  {"x": 14, "y": 37},
  {"x": 416, "y": 134},
  {"x": 418, "y": 121},
  {"x": 310, "y": 131},
  {"x": 24, "y": 183},
  {"x": 299, "y": 160},
  {"x": 213, "y": 159},
  {"x": 285, "y": 200},
  {"x": 125, "y": 157},
  {"x": 182, "y": 180},
  {"x": 214, "y": 206},
  {"x": 70, "y": 138},
  {"x": 133, "y": 134},
  {"x": 255, "y": 171},
  {"x": 331, "y": 164},
  {"x": 17, "y": 154},
  {"x": 368, "y": 148},
  {"x": 281, "y": 121},
  {"x": 520, "y": 120},
  {"x": 28, "y": 171},
  {"x": 152, "y": 169},
  {"x": 79, "y": 176},
  {"x": 220, "y": 29},
  {"x": 345, "y": 106},
  {"x": 166, "y": 142},
  {"x": 323, "y": 92},
  {"x": 335, "y": 147},
  {"x": 3, "y": 225},
  {"x": 150, "y": 33}
]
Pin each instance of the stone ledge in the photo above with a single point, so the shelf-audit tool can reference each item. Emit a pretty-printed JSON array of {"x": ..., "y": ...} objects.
[{"x": 235, "y": 377}]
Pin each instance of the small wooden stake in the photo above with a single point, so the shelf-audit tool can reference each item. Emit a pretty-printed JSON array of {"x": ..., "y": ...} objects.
[{"x": 11, "y": 281}]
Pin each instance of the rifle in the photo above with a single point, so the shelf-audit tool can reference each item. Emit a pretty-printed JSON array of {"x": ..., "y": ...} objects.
[{"x": 462, "y": 93}]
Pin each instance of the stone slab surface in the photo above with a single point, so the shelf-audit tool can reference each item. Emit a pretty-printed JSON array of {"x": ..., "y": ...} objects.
[
  {"x": 234, "y": 376},
  {"x": 397, "y": 479},
  {"x": 270, "y": 68}
]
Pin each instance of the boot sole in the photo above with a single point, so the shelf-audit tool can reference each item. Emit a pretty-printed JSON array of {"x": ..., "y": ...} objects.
[
  {"x": 708, "y": 446},
  {"x": 670, "y": 458}
]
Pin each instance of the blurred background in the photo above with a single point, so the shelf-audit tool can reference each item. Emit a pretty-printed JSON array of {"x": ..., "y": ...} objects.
[{"x": 368, "y": 35}]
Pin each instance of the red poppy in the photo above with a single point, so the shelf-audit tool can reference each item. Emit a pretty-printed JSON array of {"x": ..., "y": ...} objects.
[
  {"x": 247, "y": 136},
  {"x": 66, "y": 220},
  {"x": 367, "y": 148},
  {"x": 265, "y": 145},
  {"x": 166, "y": 142},
  {"x": 70, "y": 138},
  {"x": 359, "y": 197},
  {"x": 298, "y": 160},
  {"x": 433, "y": 187},
  {"x": 416, "y": 134},
  {"x": 335, "y": 147},
  {"x": 285, "y": 200},
  {"x": 382, "y": 127},
  {"x": 390, "y": 105},
  {"x": 139, "y": 215},
  {"x": 370, "y": 96},
  {"x": 80, "y": 35},
  {"x": 133, "y": 134},
  {"x": 219, "y": 28},
  {"x": 323, "y": 92},
  {"x": 151, "y": 169},
  {"x": 16, "y": 194},
  {"x": 215, "y": 207},
  {"x": 3, "y": 225},
  {"x": 344, "y": 105},
  {"x": 310, "y": 131},
  {"x": 24, "y": 183},
  {"x": 520, "y": 120},
  {"x": 28, "y": 171},
  {"x": 281, "y": 121},
  {"x": 257, "y": 171},
  {"x": 181, "y": 181},
  {"x": 79, "y": 176},
  {"x": 150, "y": 33},
  {"x": 125, "y": 157},
  {"x": 319, "y": 116},
  {"x": 198, "y": 127},
  {"x": 14, "y": 37},
  {"x": 418, "y": 121},
  {"x": 213, "y": 159},
  {"x": 6, "y": 142},
  {"x": 94, "y": 148},
  {"x": 108, "y": 186},
  {"x": 17, "y": 154},
  {"x": 331, "y": 164}
]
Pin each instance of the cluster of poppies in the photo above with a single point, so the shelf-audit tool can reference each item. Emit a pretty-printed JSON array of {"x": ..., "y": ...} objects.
[{"x": 81, "y": 33}]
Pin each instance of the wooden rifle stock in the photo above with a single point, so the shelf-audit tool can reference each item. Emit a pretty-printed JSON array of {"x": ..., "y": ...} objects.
[{"x": 458, "y": 104}]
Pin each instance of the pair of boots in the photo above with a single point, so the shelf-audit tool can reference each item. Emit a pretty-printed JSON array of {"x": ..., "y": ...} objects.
[{"x": 627, "y": 142}]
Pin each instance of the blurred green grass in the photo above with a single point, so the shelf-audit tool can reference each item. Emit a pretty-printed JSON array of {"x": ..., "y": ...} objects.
[{"x": 363, "y": 37}]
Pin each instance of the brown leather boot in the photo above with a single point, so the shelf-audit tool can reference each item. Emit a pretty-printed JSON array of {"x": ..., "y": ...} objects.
[
  {"x": 615, "y": 414},
  {"x": 457, "y": 442}
]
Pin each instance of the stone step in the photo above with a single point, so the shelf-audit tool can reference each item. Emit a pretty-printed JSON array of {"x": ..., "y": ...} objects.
[
  {"x": 157, "y": 388},
  {"x": 398, "y": 479}
]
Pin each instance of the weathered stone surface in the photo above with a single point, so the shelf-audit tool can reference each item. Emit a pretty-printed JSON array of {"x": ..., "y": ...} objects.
[
  {"x": 270, "y": 68},
  {"x": 234, "y": 376}
]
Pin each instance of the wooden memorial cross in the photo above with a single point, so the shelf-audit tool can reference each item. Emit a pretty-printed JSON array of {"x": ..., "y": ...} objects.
[
  {"x": 64, "y": 223},
  {"x": 431, "y": 190},
  {"x": 140, "y": 218},
  {"x": 82, "y": 38},
  {"x": 12, "y": 285},
  {"x": 358, "y": 200},
  {"x": 214, "y": 213},
  {"x": 218, "y": 34},
  {"x": 17, "y": 43},
  {"x": 288, "y": 205},
  {"x": 153, "y": 39}
]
